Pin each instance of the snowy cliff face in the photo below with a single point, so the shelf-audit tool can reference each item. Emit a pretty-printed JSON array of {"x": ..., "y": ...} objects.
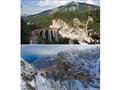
[
  {"x": 85, "y": 62},
  {"x": 28, "y": 74},
  {"x": 80, "y": 61},
  {"x": 67, "y": 31},
  {"x": 32, "y": 80}
]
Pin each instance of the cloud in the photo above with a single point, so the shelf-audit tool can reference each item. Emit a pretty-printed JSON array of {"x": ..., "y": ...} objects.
[
  {"x": 90, "y": 2},
  {"x": 48, "y": 4},
  {"x": 94, "y": 2}
]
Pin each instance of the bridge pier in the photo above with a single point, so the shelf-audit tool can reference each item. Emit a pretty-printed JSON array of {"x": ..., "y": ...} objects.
[
  {"x": 49, "y": 36},
  {"x": 53, "y": 33},
  {"x": 71, "y": 41},
  {"x": 43, "y": 34},
  {"x": 56, "y": 35}
]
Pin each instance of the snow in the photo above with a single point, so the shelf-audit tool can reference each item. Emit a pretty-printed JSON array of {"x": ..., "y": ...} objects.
[
  {"x": 86, "y": 61},
  {"x": 32, "y": 83},
  {"x": 23, "y": 85}
]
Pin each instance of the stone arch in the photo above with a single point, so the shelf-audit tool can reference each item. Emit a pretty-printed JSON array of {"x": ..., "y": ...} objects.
[{"x": 76, "y": 42}]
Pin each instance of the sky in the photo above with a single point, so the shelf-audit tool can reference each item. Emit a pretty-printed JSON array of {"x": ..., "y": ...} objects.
[
  {"x": 30, "y": 7},
  {"x": 32, "y": 52}
]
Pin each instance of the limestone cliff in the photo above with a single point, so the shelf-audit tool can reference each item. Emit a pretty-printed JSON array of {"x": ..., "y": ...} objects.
[{"x": 73, "y": 32}]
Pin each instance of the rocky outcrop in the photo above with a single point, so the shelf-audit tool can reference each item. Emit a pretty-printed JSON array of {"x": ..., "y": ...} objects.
[
  {"x": 83, "y": 65},
  {"x": 32, "y": 81},
  {"x": 74, "y": 33}
]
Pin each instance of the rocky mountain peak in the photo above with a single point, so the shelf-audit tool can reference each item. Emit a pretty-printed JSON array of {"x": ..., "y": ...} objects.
[{"x": 73, "y": 3}]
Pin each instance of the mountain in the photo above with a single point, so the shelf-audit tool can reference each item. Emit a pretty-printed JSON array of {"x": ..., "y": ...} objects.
[
  {"x": 28, "y": 74},
  {"x": 77, "y": 63},
  {"x": 45, "y": 62},
  {"x": 31, "y": 79},
  {"x": 81, "y": 21},
  {"x": 72, "y": 6},
  {"x": 82, "y": 62}
]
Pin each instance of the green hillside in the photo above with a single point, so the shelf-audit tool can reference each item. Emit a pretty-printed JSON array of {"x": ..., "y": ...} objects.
[
  {"x": 67, "y": 16},
  {"x": 42, "y": 21},
  {"x": 70, "y": 15},
  {"x": 26, "y": 32}
]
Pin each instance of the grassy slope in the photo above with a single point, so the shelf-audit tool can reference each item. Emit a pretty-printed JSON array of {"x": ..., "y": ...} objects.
[
  {"x": 68, "y": 17},
  {"x": 45, "y": 21},
  {"x": 42, "y": 21}
]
